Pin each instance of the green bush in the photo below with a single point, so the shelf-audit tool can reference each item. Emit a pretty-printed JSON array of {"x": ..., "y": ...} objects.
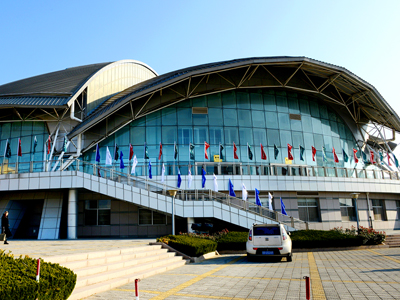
[
  {"x": 234, "y": 240},
  {"x": 369, "y": 236},
  {"x": 323, "y": 239},
  {"x": 18, "y": 279},
  {"x": 189, "y": 245}
]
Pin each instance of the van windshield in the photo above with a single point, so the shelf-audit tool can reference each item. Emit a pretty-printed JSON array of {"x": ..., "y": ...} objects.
[{"x": 267, "y": 231}]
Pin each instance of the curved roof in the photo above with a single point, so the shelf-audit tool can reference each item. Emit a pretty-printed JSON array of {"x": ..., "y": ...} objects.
[{"x": 347, "y": 92}]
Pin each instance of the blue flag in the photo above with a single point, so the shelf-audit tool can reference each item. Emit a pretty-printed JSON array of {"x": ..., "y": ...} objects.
[
  {"x": 150, "y": 176},
  {"x": 302, "y": 153},
  {"x": 97, "y": 153},
  {"x": 258, "y": 202},
  {"x": 283, "y": 208},
  {"x": 231, "y": 191},
  {"x": 34, "y": 145},
  {"x": 276, "y": 151},
  {"x": 345, "y": 156},
  {"x": 179, "y": 179},
  {"x": 121, "y": 161},
  {"x": 203, "y": 178},
  {"x": 395, "y": 161},
  {"x": 364, "y": 157}
]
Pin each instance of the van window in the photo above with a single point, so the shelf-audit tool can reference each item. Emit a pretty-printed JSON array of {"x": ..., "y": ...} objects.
[{"x": 267, "y": 231}]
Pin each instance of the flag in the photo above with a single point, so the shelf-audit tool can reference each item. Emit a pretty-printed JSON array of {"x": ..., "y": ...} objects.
[
  {"x": 381, "y": 156},
  {"x": 116, "y": 155},
  {"x": 98, "y": 172},
  {"x": 324, "y": 154},
  {"x": 121, "y": 161},
  {"x": 203, "y": 178},
  {"x": 244, "y": 192},
  {"x": 301, "y": 152},
  {"x": 371, "y": 156},
  {"x": 283, "y": 208},
  {"x": 134, "y": 164},
  {"x": 215, "y": 183},
  {"x": 276, "y": 151},
  {"x": 335, "y": 157},
  {"x": 364, "y": 156},
  {"x": 163, "y": 173},
  {"x": 130, "y": 151},
  {"x": 65, "y": 144},
  {"x": 221, "y": 156},
  {"x": 355, "y": 155},
  {"x": 396, "y": 162},
  {"x": 7, "y": 150},
  {"x": 289, "y": 151},
  {"x": 270, "y": 201},
  {"x": 191, "y": 151},
  {"x": 206, "y": 146},
  {"x": 179, "y": 179},
  {"x": 97, "y": 153},
  {"x": 189, "y": 179},
  {"x": 345, "y": 156},
  {"x": 249, "y": 153},
  {"x": 235, "y": 156},
  {"x": 160, "y": 153},
  {"x": 150, "y": 176},
  {"x": 258, "y": 202},
  {"x": 146, "y": 151},
  {"x": 48, "y": 145},
  {"x": 34, "y": 145},
  {"x": 19, "y": 152},
  {"x": 108, "y": 157},
  {"x": 175, "y": 151},
  {"x": 389, "y": 163},
  {"x": 263, "y": 155},
  {"x": 231, "y": 190},
  {"x": 313, "y": 151}
]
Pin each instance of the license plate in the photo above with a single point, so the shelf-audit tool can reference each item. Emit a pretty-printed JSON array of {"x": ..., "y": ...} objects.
[{"x": 267, "y": 252}]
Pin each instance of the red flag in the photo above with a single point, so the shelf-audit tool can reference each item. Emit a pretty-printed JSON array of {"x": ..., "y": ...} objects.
[
  {"x": 289, "y": 152},
  {"x": 355, "y": 155},
  {"x": 263, "y": 155},
  {"x": 48, "y": 145},
  {"x": 206, "y": 146},
  {"x": 389, "y": 163},
  {"x": 19, "y": 147},
  {"x": 313, "y": 151},
  {"x": 235, "y": 156},
  {"x": 335, "y": 157},
  {"x": 371, "y": 156},
  {"x": 159, "y": 154},
  {"x": 130, "y": 151}
]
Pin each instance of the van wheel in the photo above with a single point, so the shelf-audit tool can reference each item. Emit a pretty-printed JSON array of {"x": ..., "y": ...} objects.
[{"x": 289, "y": 258}]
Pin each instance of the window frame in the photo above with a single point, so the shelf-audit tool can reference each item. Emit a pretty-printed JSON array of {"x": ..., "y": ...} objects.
[
  {"x": 152, "y": 217},
  {"x": 307, "y": 209},
  {"x": 97, "y": 209},
  {"x": 346, "y": 208}
]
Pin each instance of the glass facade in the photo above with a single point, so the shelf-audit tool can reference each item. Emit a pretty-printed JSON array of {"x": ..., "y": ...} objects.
[{"x": 264, "y": 116}]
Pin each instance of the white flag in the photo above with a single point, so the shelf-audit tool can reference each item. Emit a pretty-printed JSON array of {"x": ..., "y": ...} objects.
[
  {"x": 215, "y": 183},
  {"x": 189, "y": 179},
  {"x": 135, "y": 162},
  {"x": 163, "y": 173},
  {"x": 244, "y": 192},
  {"x": 270, "y": 201},
  {"x": 108, "y": 158}
]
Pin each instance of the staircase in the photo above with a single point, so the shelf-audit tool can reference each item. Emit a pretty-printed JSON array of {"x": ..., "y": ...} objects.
[
  {"x": 393, "y": 240},
  {"x": 100, "y": 271}
]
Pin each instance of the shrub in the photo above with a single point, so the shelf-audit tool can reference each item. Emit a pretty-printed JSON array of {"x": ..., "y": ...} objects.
[
  {"x": 322, "y": 239},
  {"x": 369, "y": 236},
  {"x": 234, "y": 240},
  {"x": 189, "y": 245},
  {"x": 18, "y": 279}
]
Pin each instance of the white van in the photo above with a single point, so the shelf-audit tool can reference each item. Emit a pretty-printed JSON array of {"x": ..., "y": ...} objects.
[{"x": 269, "y": 240}]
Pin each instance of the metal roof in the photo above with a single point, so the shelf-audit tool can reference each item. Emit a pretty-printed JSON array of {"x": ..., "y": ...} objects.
[{"x": 34, "y": 101}]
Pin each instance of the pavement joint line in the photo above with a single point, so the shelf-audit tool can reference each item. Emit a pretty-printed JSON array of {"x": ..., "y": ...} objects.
[
  {"x": 215, "y": 297},
  {"x": 383, "y": 255},
  {"x": 194, "y": 280},
  {"x": 316, "y": 283}
]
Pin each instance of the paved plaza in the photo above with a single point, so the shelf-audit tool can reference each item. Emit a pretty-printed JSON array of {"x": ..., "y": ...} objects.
[{"x": 353, "y": 274}]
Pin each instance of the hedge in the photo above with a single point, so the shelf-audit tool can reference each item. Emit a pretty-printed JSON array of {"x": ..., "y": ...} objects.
[
  {"x": 234, "y": 240},
  {"x": 190, "y": 245},
  {"x": 323, "y": 239},
  {"x": 18, "y": 279}
]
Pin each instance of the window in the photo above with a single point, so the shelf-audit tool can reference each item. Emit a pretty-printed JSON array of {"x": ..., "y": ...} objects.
[
  {"x": 347, "y": 210},
  {"x": 149, "y": 217},
  {"x": 377, "y": 208},
  {"x": 398, "y": 209},
  {"x": 308, "y": 209},
  {"x": 97, "y": 212}
]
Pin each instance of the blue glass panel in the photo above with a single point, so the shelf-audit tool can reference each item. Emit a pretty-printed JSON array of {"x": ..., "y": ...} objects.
[
  {"x": 326, "y": 128},
  {"x": 286, "y": 138},
  {"x": 281, "y": 103},
  {"x": 26, "y": 129},
  {"x": 273, "y": 137},
  {"x": 314, "y": 107},
  {"x": 334, "y": 128},
  {"x": 185, "y": 103},
  {"x": 323, "y": 110},
  {"x": 200, "y": 101},
  {"x": 332, "y": 115},
  {"x": 284, "y": 122},
  {"x": 319, "y": 141},
  {"x": 293, "y": 106},
  {"x": 200, "y": 135},
  {"x": 231, "y": 135},
  {"x": 308, "y": 141},
  {"x": 26, "y": 145},
  {"x": 296, "y": 125},
  {"x": 271, "y": 155},
  {"x": 258, "y": 118},
  {"x": 5, "y": 131},
  {"x": 269, "y": 102},
  {"x": 243, "y": 100},
  {"x": 169, "y": 134},
  {"x": 230, "y": 117},
  {"x": 216, "y": 135},
  {"x": 229, "y": 99},
  {"x": 169, "y": 116},
  {"x": 271, "y": 120},
  {"x": 185, "y": 135},
  {"x": 139, "y": 122},
  {"x": 215, "y": 116},
  {"x": 38, "y": 127},
  {"x": 138, "y": 135},
  {"x": 328, "y": 143},
  {"x": 200, "y": 119},
  {"x": 257, "y": 102},
  {"x": 122, "y": 136},
  {"x": 304, "y": 107},
  {"x": 337, "y": 145},
  {"x": 260, "y": 136},
  {"x": 184, "y": 116},
  {"x": 349, "y": 135},
  {"x": 317, "y": 126},
  {"x": 244, "y": 117},
  {"x": 246, "y": 136},
  {"x": 16, "y": 129},
  {"x": 214, "y": 100},
  {"x": 297, "y": 138},
  {"x": 153, "y": 119}
]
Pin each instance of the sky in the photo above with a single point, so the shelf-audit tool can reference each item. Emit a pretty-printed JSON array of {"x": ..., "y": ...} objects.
[{"x": 38, "y": 37}]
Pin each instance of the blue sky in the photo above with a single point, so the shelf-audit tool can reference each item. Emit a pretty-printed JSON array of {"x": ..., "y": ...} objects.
[{"x": 44, "y": 36}]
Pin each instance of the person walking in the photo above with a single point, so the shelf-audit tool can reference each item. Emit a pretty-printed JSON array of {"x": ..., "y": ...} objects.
[{"x": 5, "y": 226}]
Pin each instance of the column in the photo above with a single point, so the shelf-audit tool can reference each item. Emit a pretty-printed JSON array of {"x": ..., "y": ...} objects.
[
  {"x": 72, "y": 214},
  {"x": 190, "y": 221}
]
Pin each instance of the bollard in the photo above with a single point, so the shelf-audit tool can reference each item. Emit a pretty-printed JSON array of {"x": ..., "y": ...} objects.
[
  {"x": 136, "y": 288},
  {"x": 38, "y": 270},
  {"x": 307, "y": 287}
]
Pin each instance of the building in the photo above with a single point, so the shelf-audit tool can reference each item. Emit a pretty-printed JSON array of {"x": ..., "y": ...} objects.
[{"x": 56, "y": 184}]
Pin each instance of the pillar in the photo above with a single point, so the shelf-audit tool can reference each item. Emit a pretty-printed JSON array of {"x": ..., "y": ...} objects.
[
  {"x": 190, "y": 221},
  {"x": 72, "y": 214}
]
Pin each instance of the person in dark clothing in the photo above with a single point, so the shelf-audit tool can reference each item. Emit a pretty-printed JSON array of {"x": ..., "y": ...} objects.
[{"x": 5, "y": 226}]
